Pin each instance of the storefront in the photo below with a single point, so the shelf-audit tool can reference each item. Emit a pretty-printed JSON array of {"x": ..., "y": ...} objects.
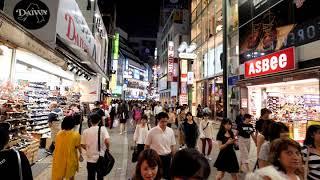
[
  {"x": 40, "y": 65},
  {"x": 279, "y": 62}
]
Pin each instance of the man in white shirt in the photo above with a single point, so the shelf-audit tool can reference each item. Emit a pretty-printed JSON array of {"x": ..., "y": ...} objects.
[
  {"x": 89, "y": 142},
  {"x": 161, "y": 139},
  {"x": 158, "y": 109}
]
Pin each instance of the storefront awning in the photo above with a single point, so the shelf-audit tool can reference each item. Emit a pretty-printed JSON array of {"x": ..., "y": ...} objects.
[{"x": 79, "y": 56}]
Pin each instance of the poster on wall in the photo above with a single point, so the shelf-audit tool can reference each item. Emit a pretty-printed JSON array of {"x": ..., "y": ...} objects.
[
  {"x": 170, "y": 60},
  {"x": 277, "y": 28}
]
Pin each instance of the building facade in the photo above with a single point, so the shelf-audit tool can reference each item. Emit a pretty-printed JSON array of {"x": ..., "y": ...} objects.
[{"x": 174, "y": 32}]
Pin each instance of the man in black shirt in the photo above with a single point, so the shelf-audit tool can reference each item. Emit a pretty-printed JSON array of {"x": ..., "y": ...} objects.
[
  {"x": 97, "y": 109},
  {"x": 265, "y": 115},
  {"x": 9, "y": 164}
]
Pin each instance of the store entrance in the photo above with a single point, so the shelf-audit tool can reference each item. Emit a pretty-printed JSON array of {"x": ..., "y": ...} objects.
[{"x": 294, "y": 102}]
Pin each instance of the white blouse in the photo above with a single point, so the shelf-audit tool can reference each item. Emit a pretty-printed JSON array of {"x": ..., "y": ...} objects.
[{"x": 140, "y": 134}]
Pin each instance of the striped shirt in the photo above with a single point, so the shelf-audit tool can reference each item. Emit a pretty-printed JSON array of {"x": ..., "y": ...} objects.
[{"x": 313, "y": 164}]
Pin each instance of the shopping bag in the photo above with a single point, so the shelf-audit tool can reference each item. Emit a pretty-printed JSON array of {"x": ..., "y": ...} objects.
[{"x": 116, "y": 123}]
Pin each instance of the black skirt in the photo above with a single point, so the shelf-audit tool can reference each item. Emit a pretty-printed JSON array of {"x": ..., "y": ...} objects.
[{"x": 227, "y": 160}]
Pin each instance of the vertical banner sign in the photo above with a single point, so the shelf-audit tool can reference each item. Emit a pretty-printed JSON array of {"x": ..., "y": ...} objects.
[
  {"x": 170, "y": 60},
  {"x": 176, "y": 69},
  {"x": 184, "y": 70},
  {"x": 115, "y": 48},
  {"x": 190, "y": 78}
]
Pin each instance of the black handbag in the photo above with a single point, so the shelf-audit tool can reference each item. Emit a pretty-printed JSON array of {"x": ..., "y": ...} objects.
[
  {"x": 105, "y": 163},
  {"x": 135, "y": 154}
]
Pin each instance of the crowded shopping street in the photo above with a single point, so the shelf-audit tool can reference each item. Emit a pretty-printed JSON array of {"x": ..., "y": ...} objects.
[{"x": 159, "y": 90}]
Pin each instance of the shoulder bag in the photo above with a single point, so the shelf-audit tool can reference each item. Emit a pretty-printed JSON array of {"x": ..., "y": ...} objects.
[
  {"x": 105, "y": 163},
  {"x": 19, "y": 164}
]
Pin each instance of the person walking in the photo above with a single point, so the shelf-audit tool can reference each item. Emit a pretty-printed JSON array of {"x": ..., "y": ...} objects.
[
  {"x": 10, "y": 158},
  {"x": 157, "y": 109},
  {"x": 65, "y": 161},
  {"x": 245, "y": 130},
  {"x": 55, "y": 118},
  {"x": 89, "y": 142},
  {"x": 140, "y": 133},
  {"x": 137, "y": 114},
  {"x": 149, "y": 166},
  {"x": 97, "y": 109},
  {"x": 199, "y": 111},
  {"x": 190, "y": 131},
  {"x": 206, "y": 135},
  {"x": 172, "y": 117},
  {"x": 227, "y": 160},
  {"x": 112, "y": 114},
  {"x": 240, "y": 117},
  {"x": 123, "y": 114},
  {"x": 311, "y": 152},
  {"x": 162, "y": 139}
]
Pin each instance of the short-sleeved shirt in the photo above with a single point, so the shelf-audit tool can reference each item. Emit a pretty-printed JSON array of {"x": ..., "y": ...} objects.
[
  {"x": 65, "y": 157},
  {"x": 90, "y": 139},
  {"x": 313, "y": 164},
  {"x": 264, "y": 151},
  {"x": 245, "y": 130},
  {"x": 161, "y": 141},
  {"x": 9, "y": 168}
]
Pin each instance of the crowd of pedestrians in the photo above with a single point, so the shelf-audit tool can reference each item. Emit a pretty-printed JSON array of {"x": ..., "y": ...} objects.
[{"x": 161, "y": 156}]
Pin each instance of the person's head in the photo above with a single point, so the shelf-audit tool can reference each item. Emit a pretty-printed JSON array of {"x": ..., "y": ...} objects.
[
  {"x": 247, "y": 118},
  {"x": 4, "y": 135},
  {"x": 265, "y": 113},
  {"x": 226, "y": 125},
  {"x": 53, "y": 105},
  {"x": 144, "y": 119},
  {"x": 162, "y": 118},
  {"x": 312, "y": 136},
  {"x": 148, "y": 166},
  {"x": 189, "y": 164},
  {"x": 189, "y": 116},
  {"x": 285, "y": 154},
  {"x": 95, "y": 118},
  {"x": 242, "y": 112},
  {"x": 277, "y": 130},
  {"x": 68, "y": 123},
  {"x": 205, "y": 116},
  {"x": 97, "y": 104},
  {"x": 264, "y": 129}
]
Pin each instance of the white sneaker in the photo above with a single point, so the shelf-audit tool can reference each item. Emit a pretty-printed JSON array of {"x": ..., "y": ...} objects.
[
  {"x": 209, "y": 158},
  {"x": 121, "y": 133}
]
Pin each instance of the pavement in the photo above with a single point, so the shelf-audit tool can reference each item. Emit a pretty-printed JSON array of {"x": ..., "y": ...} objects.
[{"x": 124, "y": 168}]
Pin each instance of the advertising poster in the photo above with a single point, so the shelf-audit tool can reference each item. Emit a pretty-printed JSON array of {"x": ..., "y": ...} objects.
[{"x": 267, "y": 26}]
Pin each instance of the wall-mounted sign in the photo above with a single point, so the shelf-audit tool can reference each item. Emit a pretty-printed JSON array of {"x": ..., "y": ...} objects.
[
  {"x": 174, "y": 89},
  {"x": 72, "y": 26},
  {"x": 170, "y": 60},
  {"x": 184, "y": 88},
  {"x": 187, "y": 55},
  {"x": 183, "y": 99},
  {"x": 38, "y": 16},
  {"x": 32, "y": 14},
  {"x": 190, "y": 78},
  {"x": 115, "y": 46},
  {"x": 276, "y": 62},
  {"x": 184, "y": 66}
]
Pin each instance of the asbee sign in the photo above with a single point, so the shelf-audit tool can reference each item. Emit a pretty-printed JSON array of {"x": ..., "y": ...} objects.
[
  {"x": 32, "y": 14},
  {"x": 283, "y": 60}
]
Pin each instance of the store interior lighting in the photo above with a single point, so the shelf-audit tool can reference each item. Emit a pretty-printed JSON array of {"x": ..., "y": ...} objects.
[{"x": 305, "y": 81}]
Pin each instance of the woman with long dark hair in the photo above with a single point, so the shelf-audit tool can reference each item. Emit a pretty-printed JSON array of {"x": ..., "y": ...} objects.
[
  {"x": 311, "y": 152},
  {"x": 190, "y": 131},
  {"x": 149, "y": 166},
  {"x": 227, "y": 160}
]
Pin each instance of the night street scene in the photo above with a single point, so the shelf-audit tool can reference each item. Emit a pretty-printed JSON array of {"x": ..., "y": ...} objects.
[{"x": 159, "y": 90}]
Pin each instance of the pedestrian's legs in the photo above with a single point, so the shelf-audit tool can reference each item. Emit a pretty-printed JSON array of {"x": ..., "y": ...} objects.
[
  {"x": 234, "y": 176},
  {"x": 140, "y": 148},
  {"x": 121, "y": 128},
  {"x": 204, "y": 143},
  {"x": 166, "y": 160},
  {"x": 91, "y": 167},
  {"x": 210, "y": 145},
  {"x": 111, "y": 122}
]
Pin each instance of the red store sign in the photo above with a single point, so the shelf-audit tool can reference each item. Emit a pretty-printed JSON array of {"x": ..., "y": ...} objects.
[{"x": 283, "y": 60}]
